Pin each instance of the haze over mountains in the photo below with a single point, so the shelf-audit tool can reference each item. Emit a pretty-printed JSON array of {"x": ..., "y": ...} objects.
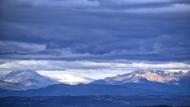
[{"x": 62, "y": 77}]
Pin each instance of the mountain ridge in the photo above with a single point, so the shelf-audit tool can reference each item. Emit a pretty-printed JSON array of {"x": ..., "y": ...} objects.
[
  {"x": 116, "y": 86},
  {"x": 142, "y": 75}
]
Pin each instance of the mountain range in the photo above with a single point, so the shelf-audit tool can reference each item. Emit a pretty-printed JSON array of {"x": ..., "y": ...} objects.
[
  {"x": 145, "y": 75},
  {"x": 141, "y": 82}
]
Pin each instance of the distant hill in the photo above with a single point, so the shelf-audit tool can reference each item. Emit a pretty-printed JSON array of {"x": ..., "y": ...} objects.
[
  {"x": 96, "y": 101},
  {"x": 95, "y": 89}
]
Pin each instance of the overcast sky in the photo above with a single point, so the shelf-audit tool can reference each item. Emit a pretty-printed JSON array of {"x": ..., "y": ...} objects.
[{"x": 95, "y": 30}]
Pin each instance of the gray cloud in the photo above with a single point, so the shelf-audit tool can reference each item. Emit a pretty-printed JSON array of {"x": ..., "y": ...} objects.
[
  {"x": 12, "y": 47},
  {"x": 104, "y": 32},
  {"x": 55, "y": 3},
  {"x": 136, "y": 6},
  {"x": 91, "y": 2}
]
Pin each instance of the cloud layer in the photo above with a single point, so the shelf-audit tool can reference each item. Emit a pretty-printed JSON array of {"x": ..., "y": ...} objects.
[
  {"x": 90, "y": 69},
  {"x": 111, "y": 5},
  {"x": 95, "y": 29},
  {"x": 12, "y": 47}
]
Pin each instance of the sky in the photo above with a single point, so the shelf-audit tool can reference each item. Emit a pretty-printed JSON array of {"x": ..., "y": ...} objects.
[{"x": 153, "y": 34}]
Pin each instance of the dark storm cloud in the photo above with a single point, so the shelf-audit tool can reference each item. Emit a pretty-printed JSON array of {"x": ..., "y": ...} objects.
[
  {"x": 95, "y": 29},
  {"x": 115, "y": 4},
  {"x": 11, "y": 47}
]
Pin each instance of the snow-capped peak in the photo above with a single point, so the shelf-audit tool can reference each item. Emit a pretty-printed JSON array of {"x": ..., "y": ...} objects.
[
  {"x": 28, "y": 79},
  {"x": 149, "y": 75}
]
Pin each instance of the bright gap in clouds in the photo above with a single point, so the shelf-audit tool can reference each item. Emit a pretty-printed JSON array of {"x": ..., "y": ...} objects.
[{"x": 88, "y": 69}]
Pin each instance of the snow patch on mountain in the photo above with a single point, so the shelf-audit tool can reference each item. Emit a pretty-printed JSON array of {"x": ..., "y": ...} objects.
[{"x": 65, "y": 78}]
